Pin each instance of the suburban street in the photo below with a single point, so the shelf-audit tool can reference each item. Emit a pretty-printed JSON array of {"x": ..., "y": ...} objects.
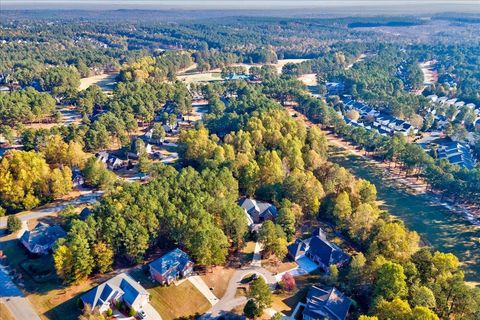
[
  {"x": 10, "y": 294},
  {"x": 229, "y": 301},
  {"x": 14, "y": 299},
  {"x": 85, "y": 198}
]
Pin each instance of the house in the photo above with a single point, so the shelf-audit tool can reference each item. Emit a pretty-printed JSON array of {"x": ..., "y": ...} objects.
[
  {"x": 119, "y": 288},
  {"x": 258, "y": 211},
  {"x": 326, "y": 304},
  {"x": 171, "y": 266},
  {"x": 454, "y": 152},
  {"x": 77, "y": 178},
  {"x": 298, "y": 249},
  {"x": 324, "y": 253},
  {"x": 112, "y": 162},
  {"x": 433, "y": 97},
  {"x": 42, "y": 238}
]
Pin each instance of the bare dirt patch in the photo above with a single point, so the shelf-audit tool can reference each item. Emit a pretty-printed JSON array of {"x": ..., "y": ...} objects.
[{"x": 218, "y": 279}]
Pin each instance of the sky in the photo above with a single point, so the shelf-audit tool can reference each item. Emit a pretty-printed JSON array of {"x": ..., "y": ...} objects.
[{"x": 406, "y": 5}]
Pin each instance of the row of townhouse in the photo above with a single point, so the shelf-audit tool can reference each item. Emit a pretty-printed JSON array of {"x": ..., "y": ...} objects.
[
  {"x": 437, "y": 101},
  {"x": 384, "y": 123},
  {"x": 457, "y": 153}
]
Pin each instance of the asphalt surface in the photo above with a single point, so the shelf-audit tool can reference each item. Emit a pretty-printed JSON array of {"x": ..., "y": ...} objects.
[
  {"x": 10, "y": 294},
  {"x": 40, "y": 213},
  {"x": 14, "y": 299}
]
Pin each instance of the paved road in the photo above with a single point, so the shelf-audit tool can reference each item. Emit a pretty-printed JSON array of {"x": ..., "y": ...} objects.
[
  {"x": 10, "y": 294},
  {"x": 229, "y": 301},
  {"x": 14, "y": 299},
  {"x": 85, "y": 198}
]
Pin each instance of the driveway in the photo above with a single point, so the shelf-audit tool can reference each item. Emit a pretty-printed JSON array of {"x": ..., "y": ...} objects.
[
  {"x": 305, "y": 266},
  {"x": 204, "y": 289},
  {"x": 85, "y": 198},
  {"x": 229, "y": 301},
  {"x": 151, "y": 313},
  {"x": 13, "y": 298}
]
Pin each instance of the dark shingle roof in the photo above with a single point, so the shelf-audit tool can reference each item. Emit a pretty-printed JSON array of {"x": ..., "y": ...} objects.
[
  {"x": 326, "y": 303},
  {"x": 43, "y": 234},
  {"x": 122, "y": 283}
]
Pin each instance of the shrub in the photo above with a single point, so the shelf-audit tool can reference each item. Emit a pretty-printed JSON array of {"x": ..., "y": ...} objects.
[
  {"x": 13, "y": 224},
  {"x": 132, "y": 312}
]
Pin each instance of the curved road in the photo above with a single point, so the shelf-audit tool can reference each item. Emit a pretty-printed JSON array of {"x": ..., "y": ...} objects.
[
  {"x": 10, "y": 294},
  {"x": 229, "y": 301},
  {"x": 85, "y": 198}
]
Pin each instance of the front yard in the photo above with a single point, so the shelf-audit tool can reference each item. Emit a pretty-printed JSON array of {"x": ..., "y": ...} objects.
[
  {"x": 173, "y": 301},
  {"x": 37, "y": 279},
  {"x": 218, "y": 279},
  {"x": 286, "y": 302}
]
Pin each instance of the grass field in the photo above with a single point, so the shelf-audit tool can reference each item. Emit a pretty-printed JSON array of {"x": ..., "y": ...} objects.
[
  {"x": 173, "y": 301},
  {"x": 246, "y": 254},
  {"x": 214, "y": 75},
  {"x": 105, "y": 81},
  {"x": 281, "y": 267}
]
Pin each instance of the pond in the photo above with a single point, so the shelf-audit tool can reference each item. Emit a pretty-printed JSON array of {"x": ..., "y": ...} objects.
[{"x": 438, "y": 226}]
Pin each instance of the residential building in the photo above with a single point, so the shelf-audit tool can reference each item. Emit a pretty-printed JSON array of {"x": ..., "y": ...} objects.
[
  {"x": 455, "y": 152},
  {"x": 319, "y": 250},
  {"x": 258, "y": 211},
  {"x": 42, "y": 238},
  {"x": 112, "y": 162},
  {"x": 119, "y": 288},
  {"x": 326, "y": 304},
  {"x": 173, "y": 265}
]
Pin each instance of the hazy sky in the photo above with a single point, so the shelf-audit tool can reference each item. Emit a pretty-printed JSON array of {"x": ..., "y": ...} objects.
[{"x": 434, "y": 5}]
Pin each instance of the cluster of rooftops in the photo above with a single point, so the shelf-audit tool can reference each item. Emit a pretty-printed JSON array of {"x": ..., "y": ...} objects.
[
  {"x": 458, "y": 153},
  {"x": 384, "y": 123},
  {"x": 452, "y": 102},
  {"x": 322, "y": 303}
]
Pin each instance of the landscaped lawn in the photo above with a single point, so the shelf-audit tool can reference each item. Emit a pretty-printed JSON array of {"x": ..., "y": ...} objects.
[
  {"x": 281, "y": 267},
  {"x": 49, "y": 298},
  {"x": 173, "y": 301},
  {"x": 218, "y": 279},
  {"x": 286, "y": 302}
]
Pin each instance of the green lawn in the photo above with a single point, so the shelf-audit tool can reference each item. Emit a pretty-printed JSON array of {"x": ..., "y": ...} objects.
[{"x": 173, "y": 301}]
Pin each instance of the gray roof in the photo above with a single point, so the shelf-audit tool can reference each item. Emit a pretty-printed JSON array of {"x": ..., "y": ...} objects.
[
  {"x": 297, "y": 249},
  {"x": 327, "y": 252},
  {"x": 43, "y": 234},
  {"x": 122, "y": 284},
  {"x": 326, "y": 304},
  {"x": 262, "y": 207},
  {"x": 175, "y": 260}
]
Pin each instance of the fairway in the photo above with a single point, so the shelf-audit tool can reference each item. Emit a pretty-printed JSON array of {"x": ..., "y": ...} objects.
[
  {"x": 438, "y": 226},
  {"x": 106, "y": 82}
]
